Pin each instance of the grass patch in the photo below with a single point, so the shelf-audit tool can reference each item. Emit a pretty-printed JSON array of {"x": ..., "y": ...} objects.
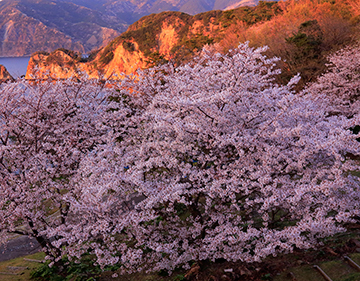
[
  {"x": 303, "y": 273},
  {"x": 339, "y": 271},
  {"x": 356, "y": 258},
  {"x": 21, "y": 267}
]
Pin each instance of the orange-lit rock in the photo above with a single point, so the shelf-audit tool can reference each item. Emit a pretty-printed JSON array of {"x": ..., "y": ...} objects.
[{"x": 4, "y": 74}]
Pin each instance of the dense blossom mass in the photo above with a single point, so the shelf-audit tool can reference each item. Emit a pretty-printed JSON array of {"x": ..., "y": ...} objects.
[
  {"x": 340, "y": 86},
  {"x": 208, "y": 160},
  {"x": 45, "y": 131}
]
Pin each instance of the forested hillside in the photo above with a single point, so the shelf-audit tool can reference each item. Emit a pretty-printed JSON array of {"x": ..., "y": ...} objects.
[
  {"x": 27, "y": 26},
  {"x": 301, "y": 32}
]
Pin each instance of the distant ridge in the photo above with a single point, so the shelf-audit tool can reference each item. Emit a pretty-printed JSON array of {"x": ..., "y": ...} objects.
[
  {"x": 27, "y": 26},
  {"x": 301, "y": 32},
  {"x": 153, "y": 39},
  {"x": 238, "y": 4}
]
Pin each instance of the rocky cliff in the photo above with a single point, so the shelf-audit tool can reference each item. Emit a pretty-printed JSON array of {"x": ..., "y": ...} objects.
[
  {"x": 4, "y": 74},
  {"x": 27, "y": 26},
  {"x": 286, "y": 27},
  {"x": 153, "y": 39},
  {"x": 62, "y": 64}
]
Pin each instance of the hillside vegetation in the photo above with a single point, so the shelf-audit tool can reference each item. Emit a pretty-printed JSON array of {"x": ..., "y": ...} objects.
[
  {"x": 27, "y": 26},
  {"x": 302, "y": 32}
]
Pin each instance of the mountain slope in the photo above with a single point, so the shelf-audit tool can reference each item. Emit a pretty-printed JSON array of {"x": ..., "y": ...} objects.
[
  {"x": 27, "y": 26},
  {"x": 152, "y": 39},
  {"x": 22, "y": 35},
  {"x": 302, "y": 32}
]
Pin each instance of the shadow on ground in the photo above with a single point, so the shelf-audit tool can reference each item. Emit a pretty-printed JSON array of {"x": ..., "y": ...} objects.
[{"x": 18, "y": 247}]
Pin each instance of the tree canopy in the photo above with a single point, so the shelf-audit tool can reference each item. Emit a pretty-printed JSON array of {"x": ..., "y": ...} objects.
[{"x": 204, "y": 161}]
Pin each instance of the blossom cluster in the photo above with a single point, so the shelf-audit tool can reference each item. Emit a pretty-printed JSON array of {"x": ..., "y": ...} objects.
[
  {"x": 46, "y": 129},
  {"x": 207, "y": 160}
]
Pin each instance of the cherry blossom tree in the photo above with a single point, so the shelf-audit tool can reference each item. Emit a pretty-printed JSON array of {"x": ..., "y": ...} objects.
[
  {"x": 46, "y": 128},
  {"x": 340, "y": 85},
  {"x": 212, "y": 160}
]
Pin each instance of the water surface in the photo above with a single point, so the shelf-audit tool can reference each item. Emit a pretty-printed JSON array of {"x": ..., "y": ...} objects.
[{"x": 15, "y": 65}]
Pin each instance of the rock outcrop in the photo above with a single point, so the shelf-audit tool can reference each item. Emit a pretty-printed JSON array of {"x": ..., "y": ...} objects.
[
  {"x": 28, "y": 26},
  {"x": 58, "y": 64},
  {"x": 61, "y": 64},
  {"x": 4, "y": 74},
  {"x": 151, "y": 40}
]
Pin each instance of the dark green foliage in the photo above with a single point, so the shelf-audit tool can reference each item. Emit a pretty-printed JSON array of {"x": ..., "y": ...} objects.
[
  {"x": 107, "y": 58},
  {"x": 64, "y": 270},
  {"x": 44, "y": 272},
  {"x": 156, "y": 59},
  {"x": 70, "y": 53},
  {"x": 107, "y": 55},
  {"x": 180, "y": 277},
  {"x": 264, "y": 11},
  {"x": 55, "y": 58},
  {"x": 227, "y": 18},
  {"x": 197, "y": 42},
  {"x": 306, "y": 52},
  {"x": 145, "y": 32},
  {"x": 180, "y": 209},
  {"x": 41, "y": 53},
  {"x": 185, "y": 50},
  {"x": 308, "y": 41},
  {"x": 206, "y": 17},
  {"x": 129, "y": 46}
]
